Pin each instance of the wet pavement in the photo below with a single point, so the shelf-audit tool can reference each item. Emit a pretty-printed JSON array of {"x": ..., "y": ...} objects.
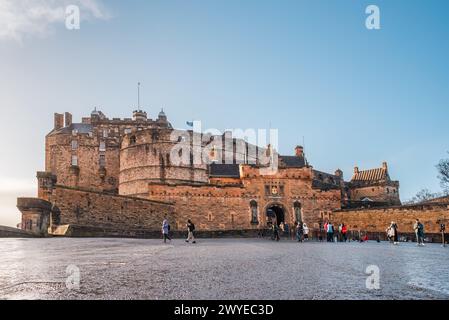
[{"x": 218, "y": 269}]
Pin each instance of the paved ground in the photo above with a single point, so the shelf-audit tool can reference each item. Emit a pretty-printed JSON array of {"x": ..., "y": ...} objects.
[{"x": 219, "y": 269}]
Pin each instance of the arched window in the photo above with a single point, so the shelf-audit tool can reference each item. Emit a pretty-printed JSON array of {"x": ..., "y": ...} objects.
[
  {"x": 297, "y": 210},
  {"x": 132, "y": 140},
  {"x": 254, "y": 213}
]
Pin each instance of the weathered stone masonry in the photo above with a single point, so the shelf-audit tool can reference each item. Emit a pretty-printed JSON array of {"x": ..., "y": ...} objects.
[{"x": 121, "y": 175}]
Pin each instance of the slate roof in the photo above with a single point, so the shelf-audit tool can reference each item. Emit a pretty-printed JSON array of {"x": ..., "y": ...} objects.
[
  {"x": 292, "y": 161},
  {"x": 80, "y": 127},
  {"x": 224, "y": 170},
  {"x": 372, "y": 175}
]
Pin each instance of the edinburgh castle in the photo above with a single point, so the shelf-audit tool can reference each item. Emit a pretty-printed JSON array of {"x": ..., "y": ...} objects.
[{"x": 122, "y": 177}]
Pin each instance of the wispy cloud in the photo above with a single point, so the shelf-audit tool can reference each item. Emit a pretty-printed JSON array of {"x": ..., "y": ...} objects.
[{"x": 26, "y": 18}]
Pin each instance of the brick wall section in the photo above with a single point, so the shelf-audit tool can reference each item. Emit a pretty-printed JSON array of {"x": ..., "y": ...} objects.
[
  {"x": 383, "y": 193},
  {"x": 224, "y": 206},
  {"x": 88, "y": 173},
  {"x": 377, "y": 220},
  {"x": 91, "y": 208},
  {"x": 148, "y": 157}
]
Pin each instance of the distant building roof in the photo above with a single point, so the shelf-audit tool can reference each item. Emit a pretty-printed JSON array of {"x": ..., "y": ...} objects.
[
  {"x": 79, "y": 127},
  {"x": 292, "y": 161},
  {"x": 224, "y": 170},
  {"x": 371, "y": 175}
]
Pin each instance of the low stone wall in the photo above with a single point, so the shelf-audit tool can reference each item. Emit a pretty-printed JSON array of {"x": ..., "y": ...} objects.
[
  {"x": 94, "y": 232},
  {"x": 90, "y": 208},
  {"x": 378, "y": 219},
  {"x": 9, "y": 232}
]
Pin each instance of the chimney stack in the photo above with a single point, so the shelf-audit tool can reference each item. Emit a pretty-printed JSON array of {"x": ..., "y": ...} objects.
[
  {"x": 356, "y": 170},
  {"x": 384, "y": 165},
  {"x": 339, "y": 173},
  {"x": 59, "y": 121},
  {"x": 68, "y": 119},
  {"x": 299, "y": 151}
]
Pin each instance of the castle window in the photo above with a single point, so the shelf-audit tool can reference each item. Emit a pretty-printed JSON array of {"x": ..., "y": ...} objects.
[
  {"x": 74, "y": 160},
  {"x": 102, "y": 146},
  {"x": 74, "y": 144},
  {"x": 105, "y": 133},
  {"x": 297, "y": 210},
  {"x": 127, "y": 130},
  {"x": 209, "y": 217},
  {"x": 254, "y": 212},
  {"x": 388, "y": 190},
  {"x": 267, "y": 190},
  {"x": 74, "y": 132},
  {"x": 132, "y": 140},
  {"x": 102, "y": 160}
]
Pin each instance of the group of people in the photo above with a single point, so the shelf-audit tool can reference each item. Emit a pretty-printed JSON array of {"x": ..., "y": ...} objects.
[
  {"x": 331, "y": 235},
  {"x": 418, "y": 228},
  {"x": 166, "y": 229},
  {"x": 300, "y": 231}
]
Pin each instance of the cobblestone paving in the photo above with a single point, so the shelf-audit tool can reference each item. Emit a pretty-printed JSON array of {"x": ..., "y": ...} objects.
[{"x": 219, "y": 269}]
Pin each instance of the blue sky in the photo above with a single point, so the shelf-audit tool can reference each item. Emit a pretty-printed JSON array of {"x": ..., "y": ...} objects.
[{"x": 311, "y": 68}]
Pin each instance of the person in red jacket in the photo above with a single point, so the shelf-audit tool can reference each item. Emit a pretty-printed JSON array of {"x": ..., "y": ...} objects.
[{"x": 344, "y": 231}]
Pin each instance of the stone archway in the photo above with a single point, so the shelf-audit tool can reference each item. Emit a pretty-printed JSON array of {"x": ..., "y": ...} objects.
[{"x": 276, "y": 213}]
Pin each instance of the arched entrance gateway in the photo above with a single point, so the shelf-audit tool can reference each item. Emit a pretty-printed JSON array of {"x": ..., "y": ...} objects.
[{"x": 276, "y": 214}]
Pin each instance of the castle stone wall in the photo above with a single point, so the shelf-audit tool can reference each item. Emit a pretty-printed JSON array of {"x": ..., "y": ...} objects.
[
  {"x": 378, "y": 219},
  {"x": 90, "y": 208}
]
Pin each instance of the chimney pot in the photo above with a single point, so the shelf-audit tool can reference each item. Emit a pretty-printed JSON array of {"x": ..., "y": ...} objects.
[
  {"x": 59, "y": 121},
  {"x": 68, "y": 119},
  {"x": 299, "y": 151}
]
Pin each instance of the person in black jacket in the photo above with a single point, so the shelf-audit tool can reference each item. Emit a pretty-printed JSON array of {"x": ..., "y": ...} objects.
[{"x": 190, "y": 230}]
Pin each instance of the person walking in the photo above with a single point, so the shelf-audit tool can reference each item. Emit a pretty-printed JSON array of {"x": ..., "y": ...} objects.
[
  {"x": 165, "y": 230},
  {"x": 330, "y": 232},
  {"x": 299, "y": 231},
  {"x": 419, "y": 232},
  {"x": 344, "y": 232},
  {"x": 276, "y": 232},
  {"x": 306, "y": 232},
  {"x": 340, "y": 235},
  {"x": 388, "y": 232},
  {"x": 442, "y": 229},
  {"x": 287, "y": 230},
  {"x": 394, "y": 232},
  {"x": 190, "y": 229}
]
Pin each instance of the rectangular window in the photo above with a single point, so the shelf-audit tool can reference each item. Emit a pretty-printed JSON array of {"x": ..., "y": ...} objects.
[
  {"x": 74, "y": 144},
  {"x": 102, "y": 146},
  {"x": 127, "y": 130},
  {"x": 102, "y": 160},
  {"x": 105, "y": 133},
  {"x": 74, "y": 160}
]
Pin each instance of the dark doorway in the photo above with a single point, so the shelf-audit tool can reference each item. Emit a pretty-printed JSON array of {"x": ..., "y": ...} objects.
[{"x": 276, "y": 213}]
